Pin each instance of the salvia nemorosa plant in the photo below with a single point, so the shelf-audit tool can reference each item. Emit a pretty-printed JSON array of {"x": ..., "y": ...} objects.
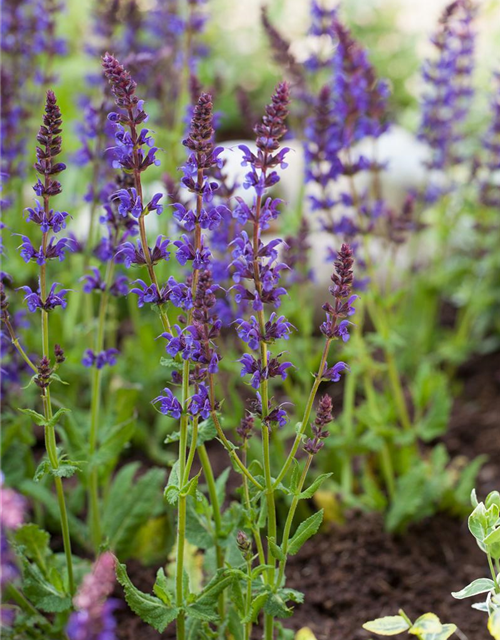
[
  {"x": 192, "y": 344},
  {"x": 245, "y": 372},
  {"x": 45, "y": 299}
]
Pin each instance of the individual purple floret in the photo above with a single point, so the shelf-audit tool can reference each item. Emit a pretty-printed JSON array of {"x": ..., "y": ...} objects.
[
  {"x": 448, "y": 84},
  {"x": 186, "y": 252},
  {"x": 130, "y": 254},
  {"x": 169, "y": 405},
  {"x": 149, "y": 294},
  {"x": 101, "y": 359},
  {"x": 253, "y": 367},
  {"x": 54, "y": 249},
  {"x": 199, "y": 404},
  {"x": 55, "y": 220},
  {"x": 93, "y": 618},
  {"x": 53, "y": 299}
]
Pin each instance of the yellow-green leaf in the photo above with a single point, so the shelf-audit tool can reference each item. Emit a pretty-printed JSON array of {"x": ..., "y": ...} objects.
[
  {"x": 305, "y": 634},
  {"x": 388, "y": 626},
  {"x": 494, "y": 624}
]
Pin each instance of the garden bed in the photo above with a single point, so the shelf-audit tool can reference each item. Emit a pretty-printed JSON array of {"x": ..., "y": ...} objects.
[{"x": 357, "y": 571}]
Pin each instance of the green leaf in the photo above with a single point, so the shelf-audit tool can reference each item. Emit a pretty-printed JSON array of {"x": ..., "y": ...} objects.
[
  {"x": 276, "y": 606},
  {"x": 276, "y": 551},
  {"x": 42, "y": 470},
  {"x": 160, "y": 587},
  {"x": 66, "y": 469},
  {"x": 57, "y": 415},
  {"x": 114, "y": 442},
  {"x": 492, "y": 537},
  {"x": 257, "y": 604},
  {"x": 40, "y": 591},
  {"x": 388, "y": 626},
  {"x": 295, "y": 477},
  {"x": 305, "y": 531},
  {"x": 189, "y": 489},
  {"x": 429, "y": 627},
  {"x": 129, "y": 505},
  {"x": 481, "y": 585},
  {"x": 35, "y": 416},
  {"x": 220, "y": 486},
  {"x": 170, "y": 363},
  {"x": 149, "y": 608},
  {"x": 171, "y": 493},
  {"x": 204, "y": 607},
  {"x": 34, "y": 542},
  {"x": 308, "y": 493}
]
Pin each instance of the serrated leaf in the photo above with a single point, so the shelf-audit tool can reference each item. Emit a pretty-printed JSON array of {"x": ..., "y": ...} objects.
[
  {"x": 42, "y": 470},
  {"x": 481, "y": 585},
  {"x": 189, "y": 489},
  {"x": 35, "y": 416},
  {"x": 204, "y": 608},
  {"x": 55, "y": 418},
  {"x": 305, "y": 531},
  {"x": 276, "y": 551},
  {"x": 387, "y": 626},
  {"x": 170, "y": 363},
  {"x": 310, "y": 491},
  {"x": 40, "y": 591},
  {"x": 276, "y": 606},
  {"x": 149, "y": 608},
  {"x": 295, "y": 477},
  {"x": 257, "y": 604},
  {"x": 35, "y": 543},
  {"x": 66, "y": 469},
  {"x": 160, "y": 587},
  {"x": 171, "y": 493}
]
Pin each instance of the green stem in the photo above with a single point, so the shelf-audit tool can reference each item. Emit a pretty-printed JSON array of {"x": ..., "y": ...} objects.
[
  {"x": 289, "y": 521},
  {"x": 248, "y": 504},
  {"x": 50, "y": 438},
  {"x": 216, "y": 510},
  {"x": 94, "y": 515},
  {"x": 179, "y": 575},
  {"x": 307, "y": 414},
  {"x": 247, "y": 627}
]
